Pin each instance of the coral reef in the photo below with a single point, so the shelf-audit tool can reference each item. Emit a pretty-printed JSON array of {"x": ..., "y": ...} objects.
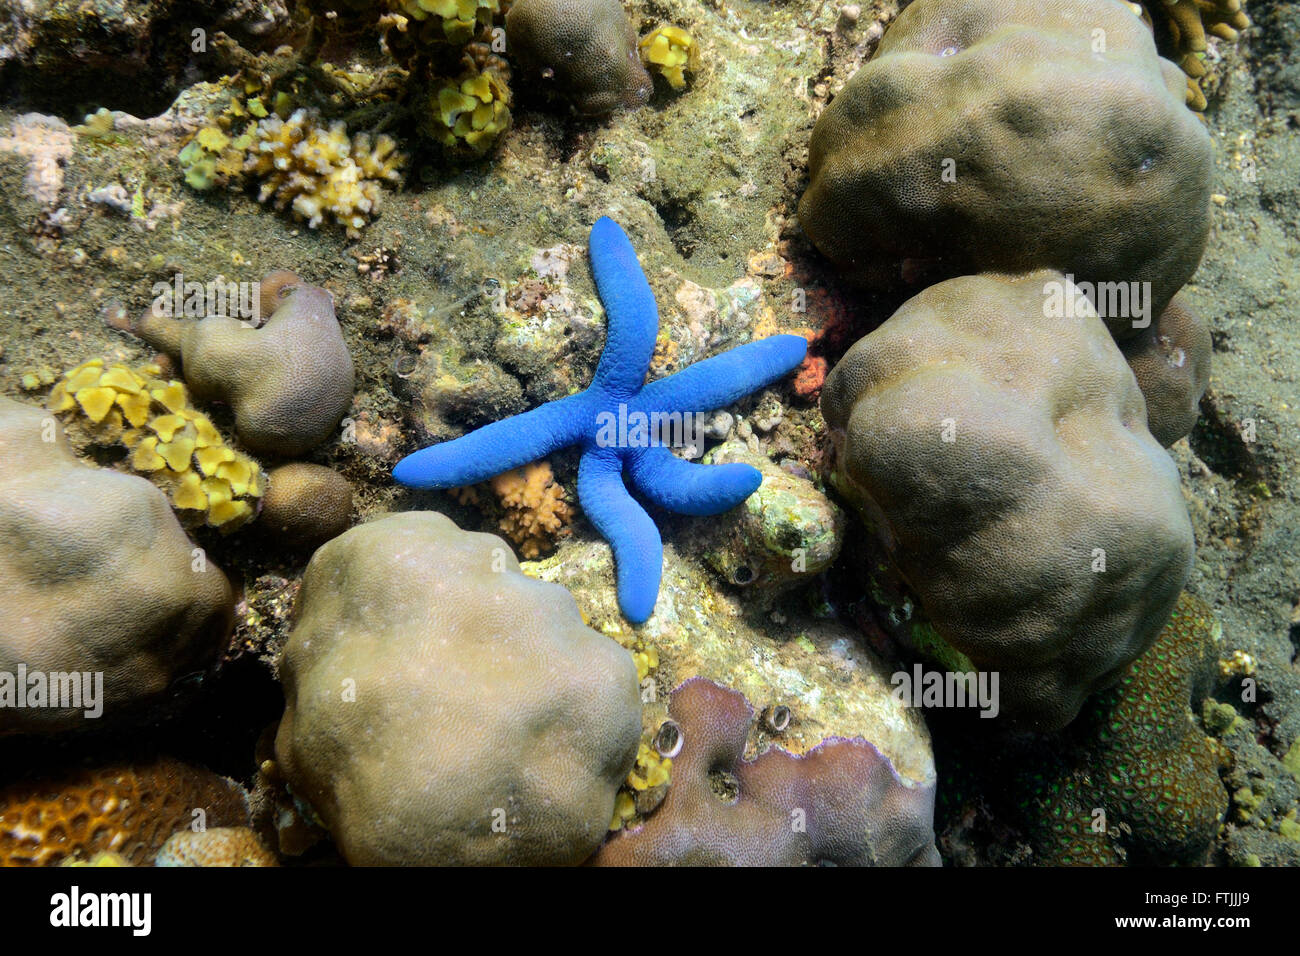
[
  {"x": 620, "y": 422},
  {"x": 306, "y": 505},
  {"x": 997, "y": 453},
  {"x": 1184, "y": 28},
  {"x": 1171, "y": 361},
  {"x": 215, "y": 846},
  {"x": 450, "y": 21},
  {"x": 469, "y": 113},
  {"x": 937, "y": 151},
  {"x": 783, "y": 535},
  {"x": 841, "y": 803},
  {"x": 461, "y": 716},
  {"x": 1139, "y": 754},
  {"x": 99, "y": 579},
  {"x": 46, "y": 143},
  {"x": 533, "y": 506},
  {"x": 289, "y": 381},
  {"x": 171, "y": 443},
  {"x": 318, "y": 172},
  {"x": 671, "y": 52},
  {"x": 584, "y": 51},
  {"x": 127, "y": 809}
]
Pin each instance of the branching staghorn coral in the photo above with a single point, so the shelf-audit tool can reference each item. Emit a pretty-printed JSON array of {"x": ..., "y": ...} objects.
[
  {"x": 534, "y": 509},
  {"x": 1186, "y": 25}
]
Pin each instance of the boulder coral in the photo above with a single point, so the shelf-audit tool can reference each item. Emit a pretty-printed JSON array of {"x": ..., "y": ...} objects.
[
  {"x": 96, "y": 576},
  {"x": 1171, "y": 361},
  {"x": 443, "y": 708},
  {"x": 288, "y": 381},
  {"x": 841, "y": 803},
  {"x": 306, "y": 505},
  {"x": 1011, "y": 135},
  {"x": 215, "y": 846},
  {"x": 1004, "y": 459},
  {"x": 583, "y": 50}
]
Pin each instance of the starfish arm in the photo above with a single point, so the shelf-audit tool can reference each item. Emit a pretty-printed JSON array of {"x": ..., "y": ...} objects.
[
  {"x": 638, "y": 550},
  {"x": 632, "y": 317},
  {"x": 497, "y": 447},
  {"x": 690, "y": 488},
  {"x": 721, "y": 380}
]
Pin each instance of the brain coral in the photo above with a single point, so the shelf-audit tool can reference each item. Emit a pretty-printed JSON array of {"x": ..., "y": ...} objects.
[
  {"x": 840, "y": 803},
  {"x": 441, "y": 707},
  {"x": 1171, "y": 361},
  {"x": 1004, "y": 459},
  {"x": 306, "y": 505},
  {"x": 1138, "y": 754},
  {"x": 288, "y": 381},
  {"x": 585, "y": 50},
  {"x": 1009, "y": 135},
  {"x": 128, "y": 809},
  {"x": 96, "y": 575}
]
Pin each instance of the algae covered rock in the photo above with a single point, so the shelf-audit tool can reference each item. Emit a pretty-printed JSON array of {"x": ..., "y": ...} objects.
[
  {"x": 784, "y": 534},
  {"x": 584, "y": 50},
  {"x": 1004, "y": 460},
  {"x": 442, "y": 708},
  {"x": 1009, "y": 135},
  {"x": 288, "y": 381},
  {"x": 96, "y": 577}
]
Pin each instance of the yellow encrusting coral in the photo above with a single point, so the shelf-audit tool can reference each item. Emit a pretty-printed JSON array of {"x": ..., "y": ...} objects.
[
  {"x": 671, "y": 52},
  {"x": 469, "y": 114},
  {"x": 170, "y": 442},
  {"x": 456, "y": 20}
]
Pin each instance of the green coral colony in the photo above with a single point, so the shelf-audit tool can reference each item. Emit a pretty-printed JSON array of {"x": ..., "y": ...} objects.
[{"x": 969, "y": 488}]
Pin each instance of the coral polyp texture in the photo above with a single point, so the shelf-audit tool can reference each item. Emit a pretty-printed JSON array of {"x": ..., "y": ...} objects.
[
  {"x": 1138, "y": 753},
  {"x": 126, "y": 809},
  {"x": 98, "y": 578},
  {"x": 584, "y": 51},
  {"x": 1171, "y": 361},
  {"x": 841, "y": 803},
  {"x": 443, "y": 708},
  {"x": 619, "y": 421},
  {"x": 215, "y": 846},
  {"x": 997, "y": 452},
  {"x": 998, "y": 135},
  {"x": 171, "y": 443},
  {"x": 534, "y": 510},
  {"x": 306, "y": 505},
  {"x": 1185, "y": 26},
  {"x": 320, "y": 173},
  {"x": 289, "y": 380}
]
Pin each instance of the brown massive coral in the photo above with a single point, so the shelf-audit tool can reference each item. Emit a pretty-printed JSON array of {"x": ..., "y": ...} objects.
[
  {"x": 1009, "y": 135},
  {"x": 443, "y": 708},
  {"x": 841, "y": 803},
  {"x": 1004, "y": 459},
  {"x": 288, "y": 381},
  {"x": 96, "y": 577}
]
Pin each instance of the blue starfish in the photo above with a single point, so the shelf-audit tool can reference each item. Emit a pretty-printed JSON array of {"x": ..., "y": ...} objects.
[{"x": 612, "y": 421}]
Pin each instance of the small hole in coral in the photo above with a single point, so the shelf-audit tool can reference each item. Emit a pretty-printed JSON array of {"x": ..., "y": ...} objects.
[
  {"x": 668, "y": 739},
  {"x": 724, "y": 785},
  {"x": 742, "y": 575}
]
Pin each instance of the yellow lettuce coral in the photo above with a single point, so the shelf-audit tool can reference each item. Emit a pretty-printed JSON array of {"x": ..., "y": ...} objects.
[
  {"x": 671, "y": 52},
  {"x": 458, "y": 19},
  {"x": 170, "y": 442},
  {"x": 469, "y": 114}
]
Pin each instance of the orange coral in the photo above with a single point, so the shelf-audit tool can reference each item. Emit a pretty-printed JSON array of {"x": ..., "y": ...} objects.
[
  {"x": 534, "y": 511},
  {"x": 216, "y": 846},
  {"x": 127, "y": 809}
]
